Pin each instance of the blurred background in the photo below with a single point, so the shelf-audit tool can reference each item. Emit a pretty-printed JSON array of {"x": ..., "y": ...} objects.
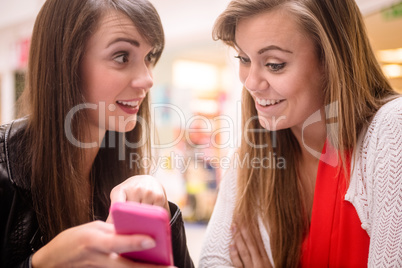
[{"x": 196, "y": 93}]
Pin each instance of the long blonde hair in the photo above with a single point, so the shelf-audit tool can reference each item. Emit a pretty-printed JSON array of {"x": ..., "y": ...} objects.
[{"x": 355, "y": 88}]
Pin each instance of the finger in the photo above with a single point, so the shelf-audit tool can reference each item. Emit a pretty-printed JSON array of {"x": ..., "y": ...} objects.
[
  {"x": 251, "y": 245},
  {"x": 101, "y": 226},
  {"x": 234, "y": 256},
  {"x": 261, "y": 249},
  {"x": 127, "y": 243},
  {"x": 118, "y": 195},
  {"x": 131, "y": 189},
  {"x": 104, "y": 234},
  {"x": 146, "y": 190},
  {"x": 242, "y": 249},
  {"x": 154, "y": 197},
  {"x": 109, "y": 219}
]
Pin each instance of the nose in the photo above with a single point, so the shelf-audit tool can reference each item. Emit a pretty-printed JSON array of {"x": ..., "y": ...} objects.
[
  {"x": 255, "y": 80},
  {"x": 142, "y": 78}
]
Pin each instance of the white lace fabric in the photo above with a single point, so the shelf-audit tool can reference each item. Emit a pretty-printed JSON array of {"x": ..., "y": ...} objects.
[
  {"x": 376, "y": 185},
  {"x": 375, "y": 191}
]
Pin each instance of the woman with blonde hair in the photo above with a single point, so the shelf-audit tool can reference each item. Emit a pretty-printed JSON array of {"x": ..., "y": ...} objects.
[
  {"x": 68, "y": 160},
  {"x": 314, "y": 96}
]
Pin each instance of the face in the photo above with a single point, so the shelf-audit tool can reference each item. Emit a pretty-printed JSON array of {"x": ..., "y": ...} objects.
[
  {"x": 116, "y": 72},
  {"x": 280, "y": 68}
]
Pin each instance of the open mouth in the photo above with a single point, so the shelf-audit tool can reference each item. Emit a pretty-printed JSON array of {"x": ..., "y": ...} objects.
[
  {"x": 129, "y": 107},
  {"x": 129, "y": 104},
  {"x": 266, "y": 102}
]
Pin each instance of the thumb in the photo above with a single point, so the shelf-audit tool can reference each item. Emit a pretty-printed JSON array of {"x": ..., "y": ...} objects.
[
  {"x": 115, "y": 196},
  {"x": 109, "y": 219}
]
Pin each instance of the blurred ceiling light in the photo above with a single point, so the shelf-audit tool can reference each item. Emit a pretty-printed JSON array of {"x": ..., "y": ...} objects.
[
  {"x": 390, "y": 55},
  {"x": 195, "y": 75},
  {"x": 392, "y": 70}
]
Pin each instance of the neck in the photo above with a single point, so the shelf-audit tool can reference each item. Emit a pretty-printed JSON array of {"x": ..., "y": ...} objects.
[
  {"x": 311, "y": 139},
  {"x": 95, "y": 137}
]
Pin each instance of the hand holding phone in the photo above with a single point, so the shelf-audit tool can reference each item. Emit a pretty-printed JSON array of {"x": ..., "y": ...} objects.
[{"x": 136, "y": 218}]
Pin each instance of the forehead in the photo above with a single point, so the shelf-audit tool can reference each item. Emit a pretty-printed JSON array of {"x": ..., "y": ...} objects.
[
  {"x": 114, "y": 24},
  {"x": 275, "y": 27}
]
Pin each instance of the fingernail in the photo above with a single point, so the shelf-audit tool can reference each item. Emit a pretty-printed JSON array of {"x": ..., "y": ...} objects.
[{"x": 148, "y": 243}]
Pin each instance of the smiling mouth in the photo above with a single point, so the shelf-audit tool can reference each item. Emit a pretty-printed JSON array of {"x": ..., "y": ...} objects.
[
  {"x": 266, "y": 102},
  {"x": 129, "y": 104}
]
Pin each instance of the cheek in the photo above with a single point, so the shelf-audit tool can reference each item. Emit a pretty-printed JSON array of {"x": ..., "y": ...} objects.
[
  {"x": 292, "y": 85},
  {"x": 99, "y": 83},
  {"x": 91, "y": 84}
]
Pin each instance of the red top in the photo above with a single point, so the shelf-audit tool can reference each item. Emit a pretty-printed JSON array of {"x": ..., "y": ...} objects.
[{"x": 335, "y": 238}]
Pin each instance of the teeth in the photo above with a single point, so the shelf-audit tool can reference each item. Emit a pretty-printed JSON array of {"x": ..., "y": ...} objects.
[
  {"x": 263, "y": 102},
  {"x": 129, "y": 103}
]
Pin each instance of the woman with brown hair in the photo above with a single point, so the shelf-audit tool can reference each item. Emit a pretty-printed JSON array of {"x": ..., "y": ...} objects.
[
  {"x": 61, "y": 166},
  {"x": 316, "y": 103}
]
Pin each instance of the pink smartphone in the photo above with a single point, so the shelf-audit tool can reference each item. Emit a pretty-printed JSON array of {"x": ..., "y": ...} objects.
[{"x": 135, "y": 218}]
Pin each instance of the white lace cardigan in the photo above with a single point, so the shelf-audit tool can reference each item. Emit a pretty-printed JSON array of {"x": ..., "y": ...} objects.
[{"x": 375, "y": 191}]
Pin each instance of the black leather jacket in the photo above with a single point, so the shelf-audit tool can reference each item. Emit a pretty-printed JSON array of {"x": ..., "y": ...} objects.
[{"x": 20, "y": 236}]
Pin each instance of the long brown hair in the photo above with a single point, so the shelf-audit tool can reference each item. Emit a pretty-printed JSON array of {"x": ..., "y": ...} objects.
[
  {"x": 60, "y": 195},
  {"x": 355, "y": 88}
]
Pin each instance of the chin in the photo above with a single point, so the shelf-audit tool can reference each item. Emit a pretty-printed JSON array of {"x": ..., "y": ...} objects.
[
  {"x": 267, "y": 124},
  {"x": 128, "y": 127},
  {"x": 270, "y": 125},
  {"x": 124, "y": 127}
]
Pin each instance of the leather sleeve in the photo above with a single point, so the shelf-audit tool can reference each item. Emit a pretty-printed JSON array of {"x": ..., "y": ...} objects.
[
  {"x": 16, "y": 236},
  {"x": 181, "y": 255}
]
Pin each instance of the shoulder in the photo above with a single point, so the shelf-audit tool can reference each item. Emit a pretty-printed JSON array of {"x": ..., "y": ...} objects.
[
  {"x": 5, "y": 181},
  {"x": 9, "y": 131},
  {"x": 393, "y": 106},
  {"x": 4, "y": 151},
  {"x": 388, "y": 117},
  {"x": 381, "y": 144},
  {"x": 384, "y": 130},
  {"x": 381, "y": 151},
  {"x": 10, "y": 159},
  {"x": 3, "y": 130}
]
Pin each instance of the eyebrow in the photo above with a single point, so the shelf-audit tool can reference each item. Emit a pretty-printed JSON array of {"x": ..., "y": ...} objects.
[
  {"x": 128, "y": 40},
  {"x": 272, "y": 47}
]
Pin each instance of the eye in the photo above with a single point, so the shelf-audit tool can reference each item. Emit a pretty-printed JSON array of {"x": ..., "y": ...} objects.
[
  {"x": 151, "y": 57},
  {"x": 243, "y": 60},
  {"x": 121, "y": 58},
  {"x": 276, "y": 67}
]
